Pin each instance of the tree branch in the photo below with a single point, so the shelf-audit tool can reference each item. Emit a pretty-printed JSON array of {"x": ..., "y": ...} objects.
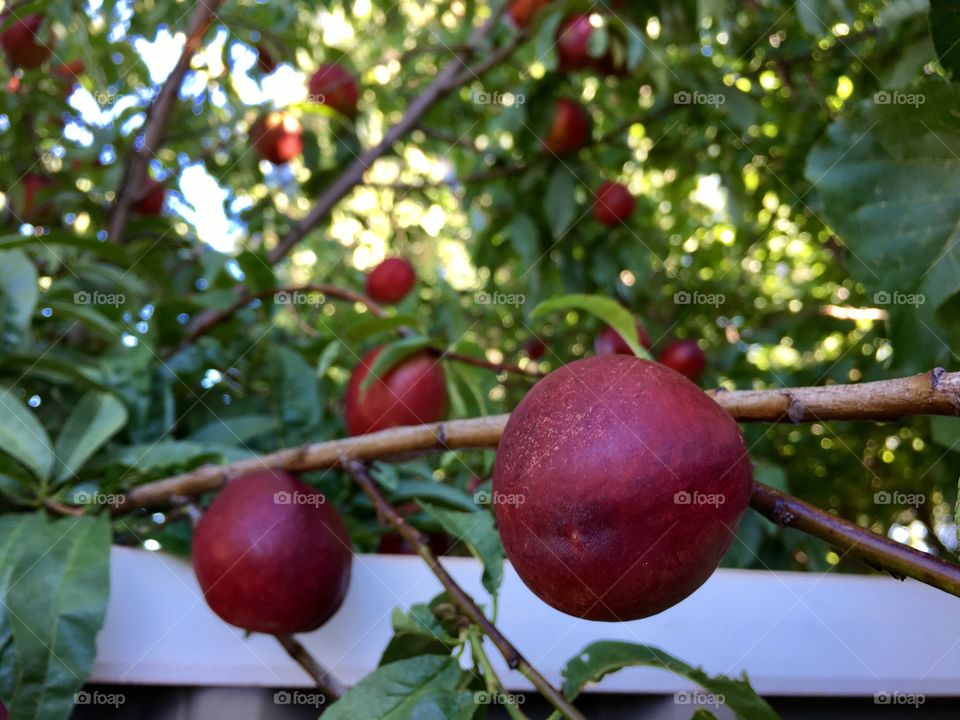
[
  {"x": 461, "y": 599},
  {"x": 327, "y": 683},
  {"x": 876, "y": 550},
  {"x": 135, "y": 173}
]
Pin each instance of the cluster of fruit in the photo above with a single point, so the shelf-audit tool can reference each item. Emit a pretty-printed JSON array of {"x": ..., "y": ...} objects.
[{"x": 626, "y": 511}]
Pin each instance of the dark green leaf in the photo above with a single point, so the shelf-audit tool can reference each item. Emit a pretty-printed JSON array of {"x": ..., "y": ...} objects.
[
  {"x": 945, "y": 28},
  {"x": 23, "y": 438},
  {"x": 609, "y": 311},
  {"x": 95, "y": 419},
  {"x": 478, "y": 532}
]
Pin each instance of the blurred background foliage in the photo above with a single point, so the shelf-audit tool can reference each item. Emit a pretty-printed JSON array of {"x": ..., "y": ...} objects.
[{"x": 811, "y": 205}]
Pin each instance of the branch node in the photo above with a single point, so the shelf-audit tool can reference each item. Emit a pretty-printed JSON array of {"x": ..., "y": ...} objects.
[
  {"x": 796, "y": 411},
  {"x": 781, "y": 513}
]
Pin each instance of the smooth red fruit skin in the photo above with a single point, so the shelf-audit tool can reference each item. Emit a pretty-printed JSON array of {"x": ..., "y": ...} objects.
[
  {"x": 411, "y": 393},
  {"x": 570, "y": 129},
  {"x": 332, "y": 85},
  {"x": 22, "y": 45},
  {"x": 271, "y": 566},
  {"x": 686, "y": 357},
  {"x": 3, "y": 712},
  {"x": 614, "y": 204},
  {"x": 573, "y": 43},
  {"x": 609, "y": 342},
  {"x": 523, "y": 11},
  {"x": 604, "y": 451},
  {"x": 151, "y": 199},
  {"x": 277, "y": 138},
  {"x": 390, "y": 281}
]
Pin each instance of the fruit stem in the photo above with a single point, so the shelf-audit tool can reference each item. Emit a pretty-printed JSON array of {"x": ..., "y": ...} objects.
[
  {"x": 515, "y": 661},
  {"x": 875, "y": 550},
  {"x": 492, "y": 680},
  {"x": 327, "y": 683}
]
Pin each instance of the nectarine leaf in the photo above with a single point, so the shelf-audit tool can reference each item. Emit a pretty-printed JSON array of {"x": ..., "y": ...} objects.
[
  {"x": 435, "y": 492},
  {"x": 391, "y": 355},
  {"x": 362, "y": 329},
  {"x": 95, "y": 419},
  {"x": 609, "y": 311},
  {"x": 420, "y": 687},
  {"x": 560, "y": 203},
  {"x": 478, "y": 532},
  {"x": 599, "y": 659},
  {"x": 23, "y": 438},
  {"x": 54, "y": 578},
  {"x": 18, "y": 298},
  {"x": 945, "y": 28}
]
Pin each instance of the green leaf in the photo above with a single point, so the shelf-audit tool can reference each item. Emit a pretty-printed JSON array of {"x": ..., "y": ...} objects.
[
  {"x": 107, "y": 250},
  {"x": 391, "y": 355},
  {"x": 23, "y": 438},
  {"x": 419, "y": 688},
  {"x": 18, "y": 297},
  {"x": 602, "y": 658},
  {"x": 55, "y": 580},
  {"x": 945, "y": 28},
  {"x": 479, "y": 532},
  {"x": 95, "y": 419},
  {"x": 362, "y": 329},
  {"x": 609, "y": 311},
  {"x": 296, "y": 393},
  {"x": 560, "y": 201},
  {"x": 945, "y": 432},
  {"x": 525, "y": 238},
  {"x": 89, "y": 317},
  {"x": 431, "y": 490},
  {"x": 237, "y": 430},
  {"x": 168, "y": 455}
]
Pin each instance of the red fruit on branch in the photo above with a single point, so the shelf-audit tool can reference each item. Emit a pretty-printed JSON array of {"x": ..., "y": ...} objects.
[
  {"x": 271, "y": 555},
  {"x": 277, "y": 137},
  {"x": 390, "y": 281},
  {"x": 23, "y": 45},
  {"x": 151, "y": 198},
  {"x": 333, "y": 85},
  {"x": 31, "y": 209},
  {"x": 686, "y": 357},
  {"x": 522, "y": 12},
  {"x": 632, "y": 483},
  {"x": 609, "y": 342},
  {"x": 614, "y": 204},
  {"x": 570, "y": 128},
  {"x": 414, "y": 392},
  {"x": 573, "y": 43},
  {"x": 535, "y": 348}
]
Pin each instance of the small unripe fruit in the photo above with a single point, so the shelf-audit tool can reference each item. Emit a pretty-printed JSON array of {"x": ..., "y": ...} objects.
[
  {"x": 151, "y": 198},
  {"x": 271, "y": 555},
  {"x": 522, "y": 12},
  {"x": 414, "y": 392},
  {"x": 277, "y": 137},
  {"x": 614, "y": 204},
  {"x": 390, "y": 281},
  {"x": 333, "y": 85},
  {"x": 573, "y": 43},
  {"x": 686, "y": 357},
  {"x": 633, "y": 481},
  {"x": 570, "y": 128},
  {"x": 23, "y": 45},
  {"x": 609, "y": 342}
]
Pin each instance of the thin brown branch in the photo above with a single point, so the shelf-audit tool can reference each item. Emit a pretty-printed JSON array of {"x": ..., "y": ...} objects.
[
  {"x": 876, "y": 550},
  {"x": 461, "y": 599},
  {"x": 935, "y": 393},
  {"x": 447, "y": 80},
  {"x": 327, "y": 683},
  {"x": 158, "y": 119}
]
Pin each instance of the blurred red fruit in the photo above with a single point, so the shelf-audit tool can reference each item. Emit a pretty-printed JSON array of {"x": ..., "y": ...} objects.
[
  {"x": 265, "y": 60},
  {"x": 22, "y": 44},
  {"x": 573, "y": 43},
  {"x": 332, "y": 85},
  {"x": 614, "y": 203},
  {"x": 535, "y": 348},
  {"x": 686, "y": 357},
  {"x": 523, "y": 11},
  {"x": 390, "y": 281},
  {"x": 277, "y": 137},
  {"x": 609, "y": 342},
  {"x": 151, "y": 198},
  {"x": 570, "y": 129}
]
